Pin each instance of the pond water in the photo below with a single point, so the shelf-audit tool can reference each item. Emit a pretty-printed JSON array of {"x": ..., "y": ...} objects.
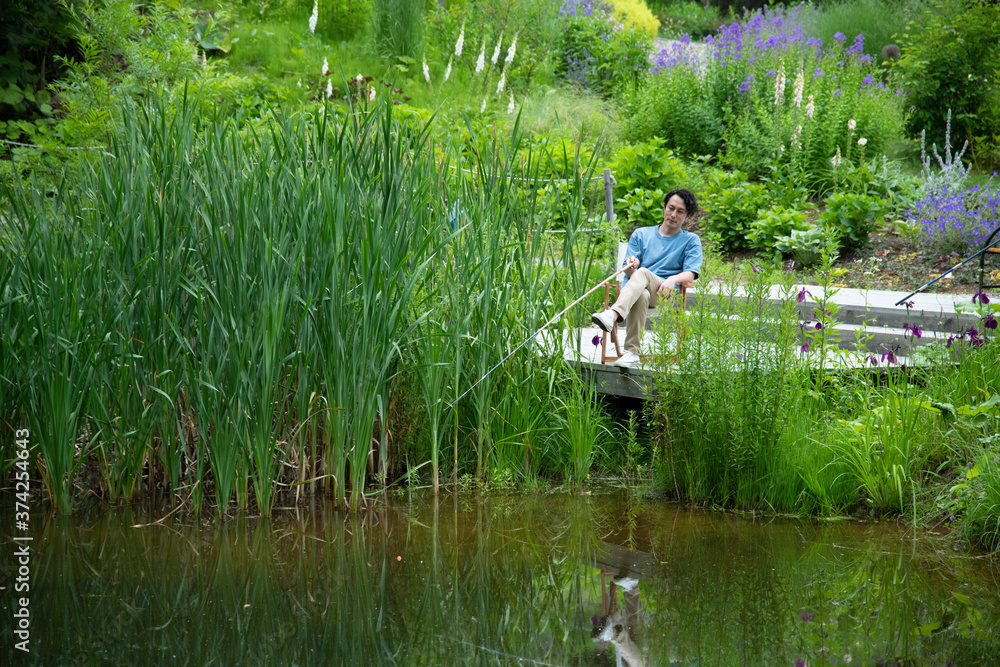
[{"x": 521, "y": 579}]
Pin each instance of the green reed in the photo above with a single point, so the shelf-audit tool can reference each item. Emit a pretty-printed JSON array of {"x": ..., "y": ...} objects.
[{"x": 218, "y": 309}]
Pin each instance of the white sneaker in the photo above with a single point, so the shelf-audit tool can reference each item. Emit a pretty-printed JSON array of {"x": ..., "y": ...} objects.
[
  {"x": 607, "y": 320},
  {"x": 628, "y": 360}
]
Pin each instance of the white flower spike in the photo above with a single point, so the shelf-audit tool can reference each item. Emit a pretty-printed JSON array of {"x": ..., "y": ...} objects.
[
  {"x": 810, "y": 107},
  {"x": 496, "y": 51},
  {"x": 314, "y": 19},
  {"x": 371, "y": 94},
  {"x": 460, "y": 42},
  {"x": 862, "y": 142},
  {"x": 510, "y": 107},
  {"x": 851, "y": 124},
  {"x": 447, "y": 71},
  {"x": 329, "y": 88},
  {"x": 427, "y": 71},
  {"x": 481, "y": 60},
  {"x": 511, "y": 51},
  {"x": 503, "y": 80},
  {"x": 482, "y": 109},
  {"x": 799, "y": 83},
  {"x": 326, "y": 67},
  {"x": 779, "y": 86}
]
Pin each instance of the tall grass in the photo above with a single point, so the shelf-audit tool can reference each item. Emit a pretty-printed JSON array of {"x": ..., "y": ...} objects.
[{"x": 218, "y": 309}]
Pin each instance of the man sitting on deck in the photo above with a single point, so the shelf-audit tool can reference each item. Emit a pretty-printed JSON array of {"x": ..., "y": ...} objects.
[{"x": 659, "y": 258}]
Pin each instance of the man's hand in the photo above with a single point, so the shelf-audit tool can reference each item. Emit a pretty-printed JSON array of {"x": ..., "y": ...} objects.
[
  {"x": 668, "y": 285},
  {"x": 631, "y": 264}
]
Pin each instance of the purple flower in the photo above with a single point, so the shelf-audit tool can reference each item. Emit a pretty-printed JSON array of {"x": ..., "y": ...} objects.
[
  {"x": 596, "y": 340},
  {"x": 839, "y": 36},
  {"x": 756, "y": 270},
  {"x": 819, "y": 325},
  {"x": 739, "y": 356},
  {"x": 867, "y": 81},
  {"x": 685, "y": 38},
  {"x": 872, "y": 360},
  {"x": 807, "y": 616},
  {"x": 889, "y": 357},
  {"x": 990, "y": 322},
  {"x": 817, "y": 73},
  {"x": 981, "y": 297},
  {"x": 874, "y": 614},
  {"x": 805, "y": 347},
  {"x": 799, "y": 662},
  {"x": 836, "y": 93},
  {"x": 912, "y": 329},
  {"x": 970, "y": 464},
  {"x": 745, "y": 86},
  {"x": 802, "y": 294},
  {"x": 771, "y": 74},
  {"x": 908, "y": 304},
  {"x": 814, "y": 41}
]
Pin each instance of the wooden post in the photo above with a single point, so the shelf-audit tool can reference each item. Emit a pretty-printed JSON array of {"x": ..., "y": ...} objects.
[{"x": 609, "y": 201}]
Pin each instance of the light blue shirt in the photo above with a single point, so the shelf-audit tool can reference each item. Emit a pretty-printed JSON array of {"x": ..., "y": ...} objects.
[{"x": 665, "y": 255}]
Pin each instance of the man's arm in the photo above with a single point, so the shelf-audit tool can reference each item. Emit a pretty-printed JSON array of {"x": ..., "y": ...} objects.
[
  {"x": 671, "y": 283},
  {"x": 633, "y": 254}
]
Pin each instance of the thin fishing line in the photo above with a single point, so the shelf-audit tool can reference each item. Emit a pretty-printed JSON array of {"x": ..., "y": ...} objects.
[{"x": 532, "y": 336}]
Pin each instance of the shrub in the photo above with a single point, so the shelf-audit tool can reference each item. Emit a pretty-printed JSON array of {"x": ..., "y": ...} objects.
[
  {"x": 950, "y": 58},
  {"x": 852, "y": 217},
  {"x": 687, "y": 18},
  {"x": 635, "y": 14},
  {"x": 397, "y": 25},
  {"x": 731, "y": 208},
  {"x": 763, "y": 87},
  {"x": 957, "y": 221},
  {"x": 596, "y": 50},
  {"x": 773, "y": 223}
]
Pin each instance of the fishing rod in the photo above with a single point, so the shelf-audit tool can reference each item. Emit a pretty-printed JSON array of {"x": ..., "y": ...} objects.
[
  {"x": 931, "y": 282},
  {"x": 532, "y": 336}
]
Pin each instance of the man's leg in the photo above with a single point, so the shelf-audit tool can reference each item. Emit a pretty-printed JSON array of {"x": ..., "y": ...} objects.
[{"x": 638, "y": 295}]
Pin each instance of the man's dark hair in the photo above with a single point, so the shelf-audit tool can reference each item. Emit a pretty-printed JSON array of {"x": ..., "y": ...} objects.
[{"x": 690, "y": 203}]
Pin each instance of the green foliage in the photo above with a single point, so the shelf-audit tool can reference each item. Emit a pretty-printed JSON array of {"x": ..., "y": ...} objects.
[
  {"x": 346, "y": 19},
  {"x": 879, "y": 21},
  {"x": 397, "y": 26},
  {"x": 645, "y": 172},
  {"x": 599, "y": 53},
  {"x": 687, "y": 17},
  {"x": 731, "y": 209},
  {"x": 772, "y": 223},
  {"x": 805, "y": 245},
  {"x": 950, "y": 60},
  {"x": 852, "y": 217}
]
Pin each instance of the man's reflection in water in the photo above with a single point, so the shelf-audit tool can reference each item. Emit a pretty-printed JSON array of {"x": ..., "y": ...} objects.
[{"x": 617, "y": 626}]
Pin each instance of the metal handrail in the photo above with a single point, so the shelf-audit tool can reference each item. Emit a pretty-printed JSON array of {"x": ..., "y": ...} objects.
[
  {"x": 981, "y": 252},
  {"x": 982, "y": 259}
]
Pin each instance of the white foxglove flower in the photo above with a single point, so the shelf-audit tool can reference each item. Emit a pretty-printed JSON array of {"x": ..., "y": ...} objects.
[
  {"x": 496, "y": 51},
  {"x": 511, "y": 51},
  {"x": 799, "y": 83},
  {"x": 371, "y": 94},
  {"x": 314, "y": 19},
  {"x": 299, "y": 82},
  {"x": 447, "y": 71},
  {"x": 503, "y": 80},
  {"x": 836, "y": 159},
  {"x": 481, "y": 60},
  {"x": 510, "y": 107},
  {"x": 427, "y": 72},
  {"x": 862, "y": 141},
  {"x": 326, "y": 67},
  {"x": 482, "y": 109},
  {"x": 851, "y": 124},
  {"x": 810, "y": 107},
  {"x": 360, "y": 79},
  {"x": 779, "y": 86},
  {"x": 460, "y": 42},
  {"x": 329, "y": 88}
]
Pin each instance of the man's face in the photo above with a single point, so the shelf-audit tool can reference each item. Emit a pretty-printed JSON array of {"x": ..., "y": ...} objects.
[{"x": 674, "y": 215}]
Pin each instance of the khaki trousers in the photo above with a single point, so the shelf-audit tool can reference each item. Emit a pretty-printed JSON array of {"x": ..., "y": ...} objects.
[{"x": 639, "y": 294}]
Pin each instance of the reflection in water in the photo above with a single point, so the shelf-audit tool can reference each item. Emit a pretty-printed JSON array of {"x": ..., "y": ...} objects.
[{"x": 546, "y": 579}]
